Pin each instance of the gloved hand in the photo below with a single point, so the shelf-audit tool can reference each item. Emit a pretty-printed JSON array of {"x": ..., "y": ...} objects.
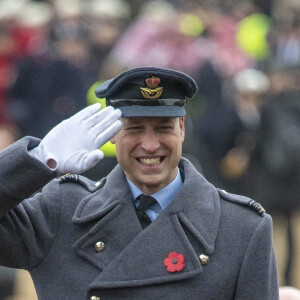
[{"x": 73, "y": 145}]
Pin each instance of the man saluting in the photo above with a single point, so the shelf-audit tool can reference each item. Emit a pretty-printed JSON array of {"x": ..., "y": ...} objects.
[{"x": 154, "y": 228}]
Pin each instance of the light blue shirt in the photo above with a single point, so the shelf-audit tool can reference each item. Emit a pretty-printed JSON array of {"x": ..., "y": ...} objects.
[{"x": 163, "y": 197}]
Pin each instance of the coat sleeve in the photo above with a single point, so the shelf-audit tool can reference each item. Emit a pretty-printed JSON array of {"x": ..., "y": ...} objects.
[
  {"x": 258, "y": 279},
  {"x": 21, "y": 175},
  {"x": 27, "y": 227}
]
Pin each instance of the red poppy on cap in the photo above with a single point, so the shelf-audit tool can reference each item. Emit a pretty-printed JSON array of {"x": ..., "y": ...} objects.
[{"x": 174, "y": 262}]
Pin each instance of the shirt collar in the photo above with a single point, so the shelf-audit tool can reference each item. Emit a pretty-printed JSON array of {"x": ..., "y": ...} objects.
[{"x": 164, "y": 196}]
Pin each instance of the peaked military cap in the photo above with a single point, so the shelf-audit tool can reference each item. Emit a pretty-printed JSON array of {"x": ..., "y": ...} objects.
[{"x": 148, "y": 92}]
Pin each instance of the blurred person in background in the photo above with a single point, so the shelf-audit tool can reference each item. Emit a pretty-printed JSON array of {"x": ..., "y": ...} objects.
[
  {"x": 107, "y": 20},
  {"x": 7, "y": 58},
  {"x": 69, "y": 19},
  {"x": 8, "y": 55},
  {"x": 8, "y": 130},
  {"x": 227, "y": 152},
  {"x": 51, "y": 83},
  {"x": 285, "y": 35},
  {"x": 278, "y": 183},
  {"x": 210, "y": 141},
  {"x": 238, "y": 166},
  {"x": 154, "y": 38}
]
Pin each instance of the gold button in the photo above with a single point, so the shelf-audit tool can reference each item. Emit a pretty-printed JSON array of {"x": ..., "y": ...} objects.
[
  {"x": 95, "y": 298},
  {"x": 99, "y": 246},
  {"x": 204, "y": 259}
]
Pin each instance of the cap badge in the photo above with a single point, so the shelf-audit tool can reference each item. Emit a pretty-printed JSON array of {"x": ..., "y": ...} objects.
[{"x": 152, "y": 91}]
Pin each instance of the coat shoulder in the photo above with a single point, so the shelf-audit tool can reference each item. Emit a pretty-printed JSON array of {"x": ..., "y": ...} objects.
[
  {"x": 242, "y": 200},
  {"x": 69, "y": 190}
]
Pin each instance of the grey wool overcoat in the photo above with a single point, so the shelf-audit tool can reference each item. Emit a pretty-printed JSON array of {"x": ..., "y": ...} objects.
[{"x": 80, "y": 240}]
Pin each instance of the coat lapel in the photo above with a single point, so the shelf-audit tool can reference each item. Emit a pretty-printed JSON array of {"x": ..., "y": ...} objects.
[
  {"x": 110, "y": 217},
  {"x": 135, "y": 257}
]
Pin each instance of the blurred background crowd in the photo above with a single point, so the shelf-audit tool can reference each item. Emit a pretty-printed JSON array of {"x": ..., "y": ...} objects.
[{"x": 243, "y": 128}]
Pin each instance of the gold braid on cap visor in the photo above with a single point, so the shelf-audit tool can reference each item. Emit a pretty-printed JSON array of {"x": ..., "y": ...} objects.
[{"x": 156, "y": 102}]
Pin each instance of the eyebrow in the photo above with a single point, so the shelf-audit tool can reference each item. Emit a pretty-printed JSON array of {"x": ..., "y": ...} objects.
[{"x": 133, "y": 120}]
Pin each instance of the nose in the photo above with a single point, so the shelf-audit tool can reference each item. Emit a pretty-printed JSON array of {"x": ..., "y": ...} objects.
[{"x": 150, "y": 141}]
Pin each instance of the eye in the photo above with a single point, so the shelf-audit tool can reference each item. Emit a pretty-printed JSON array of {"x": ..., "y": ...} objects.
[{"x": 133, "y": 128}]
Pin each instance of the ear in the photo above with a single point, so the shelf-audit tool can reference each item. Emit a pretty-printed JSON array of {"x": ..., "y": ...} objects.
[{"x": 182, "y": 128}]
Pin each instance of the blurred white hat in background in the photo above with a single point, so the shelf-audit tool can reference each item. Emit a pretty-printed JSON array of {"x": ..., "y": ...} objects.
[
  {"x": 292, "y": 3},
  {"x": 251, "y": 80},
  {"x": 109, "y": 8},
  {"x": 69, "y": 8},
  {"x": 158, "y": 9},
  {"x": 10, "y": 8},
  {"x": 34, "y": 14}
]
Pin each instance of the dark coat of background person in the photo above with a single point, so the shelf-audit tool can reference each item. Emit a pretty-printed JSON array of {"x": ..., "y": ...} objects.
[
  {"x": 46, "y": 92},
  {"x": 276, "y": 183},
  {"x": 273, "y": 173}
]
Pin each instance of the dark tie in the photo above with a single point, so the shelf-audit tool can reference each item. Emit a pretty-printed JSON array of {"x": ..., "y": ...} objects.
[{"x": 145, "y": 203}]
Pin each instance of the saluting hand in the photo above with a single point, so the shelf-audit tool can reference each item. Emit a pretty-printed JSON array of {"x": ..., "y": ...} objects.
[{"x": 73, "y": 145}]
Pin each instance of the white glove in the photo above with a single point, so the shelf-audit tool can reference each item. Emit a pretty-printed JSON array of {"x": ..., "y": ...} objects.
[{"x": 72, "y": 146}]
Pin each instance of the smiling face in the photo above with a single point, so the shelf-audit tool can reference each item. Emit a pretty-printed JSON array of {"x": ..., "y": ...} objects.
[{"x": 149, "y": 149}]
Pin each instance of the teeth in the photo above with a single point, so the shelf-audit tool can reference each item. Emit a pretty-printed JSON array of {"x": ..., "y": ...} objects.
[{"x": 150, "y": 161}]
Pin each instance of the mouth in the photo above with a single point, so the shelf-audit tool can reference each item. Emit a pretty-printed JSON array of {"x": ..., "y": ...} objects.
[{"x": 150, "y": 162}]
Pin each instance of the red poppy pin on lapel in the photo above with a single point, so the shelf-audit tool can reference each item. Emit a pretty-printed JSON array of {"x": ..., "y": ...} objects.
[{"x": 174, "y": 262}]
